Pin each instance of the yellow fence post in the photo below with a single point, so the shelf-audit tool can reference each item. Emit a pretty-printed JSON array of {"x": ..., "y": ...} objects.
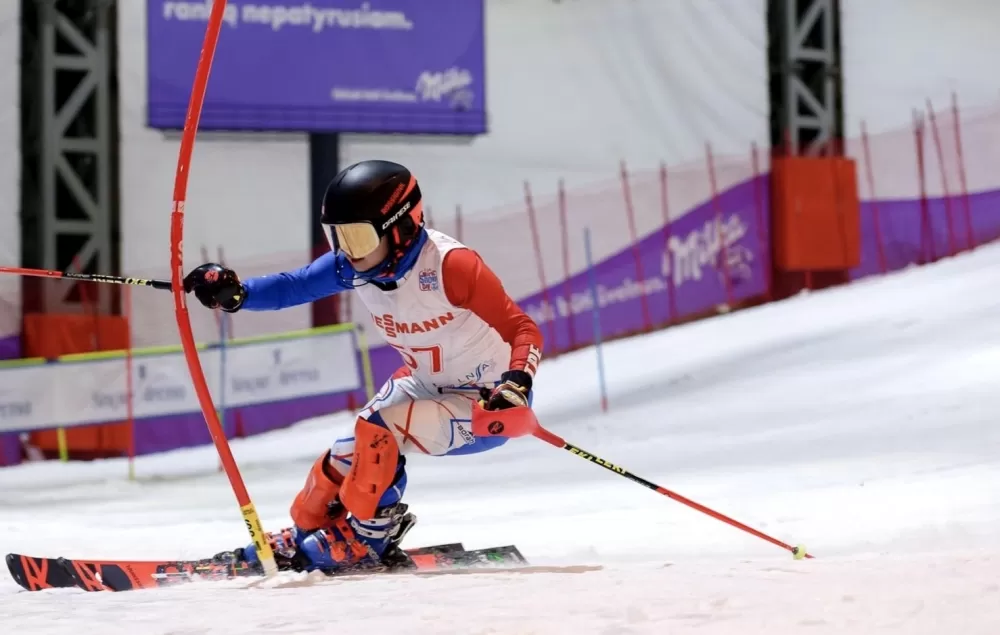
[{"x": 63, "y": 445}]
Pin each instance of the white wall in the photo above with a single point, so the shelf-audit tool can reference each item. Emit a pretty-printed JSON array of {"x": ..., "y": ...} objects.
[
  {"x": 898, "y": 54},
  {"x": 575, "y": 86},
  {"x": 247, "y": 193},
  {"x": 10, "y": 165}
]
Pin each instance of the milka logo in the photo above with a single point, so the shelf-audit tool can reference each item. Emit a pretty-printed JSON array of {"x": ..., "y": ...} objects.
[
  {"x": 702, "y": 247},
  {"x": 435, "y": 86}
]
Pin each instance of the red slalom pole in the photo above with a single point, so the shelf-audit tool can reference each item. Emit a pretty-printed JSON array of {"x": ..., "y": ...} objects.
[
  {"x": 647, "y": 319},
  {"x": 956, "y": 117},
  {"x": 537, "y": 244},
  {"x": 518, "y": 422},
  {"x": 716, "y": 204},
  {"x": 936, "y": 135},
  {"x": 202, "y": 73}
]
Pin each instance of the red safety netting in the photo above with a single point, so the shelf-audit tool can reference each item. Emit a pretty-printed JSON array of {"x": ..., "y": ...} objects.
[{"x": 927, "y": 191}]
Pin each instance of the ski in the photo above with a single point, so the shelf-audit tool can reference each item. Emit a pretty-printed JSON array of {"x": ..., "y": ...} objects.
[{"x": 36, "y": 574}]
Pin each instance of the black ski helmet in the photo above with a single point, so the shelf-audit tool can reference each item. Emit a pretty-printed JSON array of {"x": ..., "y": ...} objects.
[{"x": 369, "y": 200}]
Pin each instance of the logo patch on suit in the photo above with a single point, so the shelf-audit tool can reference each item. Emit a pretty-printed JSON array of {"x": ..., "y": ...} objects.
[
  {"x": 428, "y": 279},
  {"x": 392, "y": 328}
]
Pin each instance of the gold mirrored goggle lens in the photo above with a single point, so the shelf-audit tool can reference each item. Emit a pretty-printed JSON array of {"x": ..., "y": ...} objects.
[{"x": 357, "y": 240}]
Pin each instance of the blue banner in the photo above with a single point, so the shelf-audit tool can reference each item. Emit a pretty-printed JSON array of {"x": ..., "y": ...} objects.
[{"x": 376, "y": 66}]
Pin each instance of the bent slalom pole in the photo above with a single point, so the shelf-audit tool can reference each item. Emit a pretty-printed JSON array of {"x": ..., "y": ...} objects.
[
  {"x": 250, "y": 517},
  {"x": 164, "y": 285},
  {"x": 517, "y": 422}
]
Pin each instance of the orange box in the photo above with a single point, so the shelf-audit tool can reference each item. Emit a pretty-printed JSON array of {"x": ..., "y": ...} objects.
[
  {"x": 52, "y": 335},
  {"x": 816, "y": 214}
]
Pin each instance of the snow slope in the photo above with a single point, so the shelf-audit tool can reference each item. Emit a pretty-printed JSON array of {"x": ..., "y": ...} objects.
[{"x": 859, "y": 421}]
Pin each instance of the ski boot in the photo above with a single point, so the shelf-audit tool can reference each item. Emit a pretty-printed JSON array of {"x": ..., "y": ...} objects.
[
  {"x": 346, "y": 544},
  {"x": 394, "y": 557}
]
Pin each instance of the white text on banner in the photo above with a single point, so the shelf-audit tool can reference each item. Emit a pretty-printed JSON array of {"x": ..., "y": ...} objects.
[{"x": 292, "y": 368}]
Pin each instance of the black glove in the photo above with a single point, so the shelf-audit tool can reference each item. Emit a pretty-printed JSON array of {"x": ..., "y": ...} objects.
[
  {"x": 512, "y": 391},
  {"x": 216, "y": 287}
]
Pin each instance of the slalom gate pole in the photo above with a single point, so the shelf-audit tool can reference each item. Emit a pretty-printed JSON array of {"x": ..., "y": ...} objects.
[
  {"x": 595, "y": 311},
  {"x": 225, "y": 334},
  {"x": 221, "y": 410},
  {"x": 198, "y": 89},
  {"x": 223, "y": 388},
  {"x": 164, "y": 285},
  {"x": 553, "y": 439},
  {"x": 521, "y": 421}
]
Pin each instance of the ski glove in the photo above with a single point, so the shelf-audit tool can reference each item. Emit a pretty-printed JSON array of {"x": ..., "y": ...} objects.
[
  {"x": 216, "y": 287},
  {"x": 512, "y": 391}
]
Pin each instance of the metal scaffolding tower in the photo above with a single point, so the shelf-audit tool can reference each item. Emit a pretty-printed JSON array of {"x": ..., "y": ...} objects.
[
  {"x": 70, "y": 214},
  {"x": 805, "y": 76}
]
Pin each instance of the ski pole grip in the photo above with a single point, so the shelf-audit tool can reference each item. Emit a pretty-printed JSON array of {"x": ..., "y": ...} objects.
[{"x": 510, "y": 422}]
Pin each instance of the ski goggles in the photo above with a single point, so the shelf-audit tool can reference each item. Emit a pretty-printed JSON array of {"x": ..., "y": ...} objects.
[{"x": 356, "y": 240}]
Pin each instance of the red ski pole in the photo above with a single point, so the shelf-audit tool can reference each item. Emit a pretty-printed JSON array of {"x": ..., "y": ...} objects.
[
  {"x": 517, "y": 422},
  {"x": 89, "y": 277}
]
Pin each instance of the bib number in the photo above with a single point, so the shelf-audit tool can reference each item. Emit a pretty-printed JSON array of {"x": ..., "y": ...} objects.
[{"x": 422, "y": 357}]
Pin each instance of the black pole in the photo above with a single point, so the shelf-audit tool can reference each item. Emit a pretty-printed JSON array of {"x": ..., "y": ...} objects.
[{"x": 324, "y": 163}]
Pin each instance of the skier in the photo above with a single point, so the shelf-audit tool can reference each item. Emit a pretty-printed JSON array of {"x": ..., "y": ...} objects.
[{"x": 461, "y": 338}]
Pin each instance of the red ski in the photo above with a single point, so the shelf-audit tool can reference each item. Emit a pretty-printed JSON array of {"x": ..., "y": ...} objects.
[{"x": 37, "y": 574}]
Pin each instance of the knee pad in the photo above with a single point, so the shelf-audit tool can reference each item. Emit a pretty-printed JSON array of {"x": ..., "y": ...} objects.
[
  {"x": 309, "y": 509},
  {"x": 373, "y": 468}
]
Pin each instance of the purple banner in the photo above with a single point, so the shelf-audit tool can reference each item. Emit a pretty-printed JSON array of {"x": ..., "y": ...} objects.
[
  {"x": 683, "y": 273},
  {"x": 10, "y": 444},
  {"x": 914, "y": 233},
  {"x": 10, "y": 449},
  {"x": 379, "y": 66},
  {"x": 10, "y": 347}
]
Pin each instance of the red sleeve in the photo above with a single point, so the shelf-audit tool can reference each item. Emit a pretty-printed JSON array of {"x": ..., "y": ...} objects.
[{"x": 470, "y": 284}]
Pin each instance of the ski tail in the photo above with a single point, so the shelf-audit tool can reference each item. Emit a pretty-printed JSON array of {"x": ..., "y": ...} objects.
[
  {"x": 38, "y": 574},
  {"x": 494, "y": 557}
]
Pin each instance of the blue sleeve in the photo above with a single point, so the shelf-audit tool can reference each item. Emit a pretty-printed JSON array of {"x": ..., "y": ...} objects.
[{"x": 313, "y": 282}]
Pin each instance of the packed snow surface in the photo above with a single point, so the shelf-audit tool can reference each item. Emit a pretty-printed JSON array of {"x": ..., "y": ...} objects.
[{"x": 860, "y": 421}]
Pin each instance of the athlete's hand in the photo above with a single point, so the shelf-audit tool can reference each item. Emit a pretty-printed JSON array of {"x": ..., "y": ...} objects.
[
  {"x": 216, "y": 287},
  {"x": 511, "y": 393}
]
